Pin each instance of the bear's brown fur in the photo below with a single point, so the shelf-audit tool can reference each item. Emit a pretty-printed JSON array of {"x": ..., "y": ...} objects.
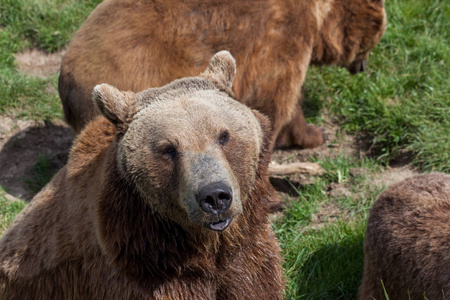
[
  {"x": 273, "y": 43},
  {"x": 408, "y": 240},
  {"x": 137, "y": 212}
]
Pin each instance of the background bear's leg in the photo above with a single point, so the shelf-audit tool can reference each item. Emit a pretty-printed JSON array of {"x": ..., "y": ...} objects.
[
  {"x": 298, "y": 133},
  {"x": 77, "y": 104}
]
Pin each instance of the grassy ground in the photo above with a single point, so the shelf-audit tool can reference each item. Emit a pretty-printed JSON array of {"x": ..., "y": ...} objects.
[
  {"x": 401, "y": 106},
  {"x": 322, "y": 235},
  {"x": 45, "y": 24},
  {"x": 403, "y": 102},
  {"x": 8, "y": 210}
]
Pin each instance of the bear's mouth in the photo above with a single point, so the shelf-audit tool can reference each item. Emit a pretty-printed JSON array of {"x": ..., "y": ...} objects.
[
  {"x": 357, "y": 66},
  {"x": 221, "y": 225}
]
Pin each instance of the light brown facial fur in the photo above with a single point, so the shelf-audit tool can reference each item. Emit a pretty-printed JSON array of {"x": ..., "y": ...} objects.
[
  {"x": 181, "y": 144},
  {"x": 273, "y": 42},
  {"x": 133, "y": 215},
  {"x": 408, "y": 240}
]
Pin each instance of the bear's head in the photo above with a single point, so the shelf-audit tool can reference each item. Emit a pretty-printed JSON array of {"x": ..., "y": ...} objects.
[
  {"x": 363, "y": 34},
  {"x": 349, "y": 32},
  {"x": 188, "y": 148}
]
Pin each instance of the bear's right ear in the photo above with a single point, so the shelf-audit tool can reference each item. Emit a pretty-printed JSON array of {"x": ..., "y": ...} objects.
[
  {"x": 115, "y": 105},
  {"x": 221, "y": 69}
]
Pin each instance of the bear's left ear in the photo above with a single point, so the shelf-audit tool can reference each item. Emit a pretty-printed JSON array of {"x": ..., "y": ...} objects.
[
  {"x": 221, "y": 69},
  {"x": 115, "y": 105}
]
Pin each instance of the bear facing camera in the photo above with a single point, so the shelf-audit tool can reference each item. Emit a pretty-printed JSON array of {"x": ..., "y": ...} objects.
[{"x": 165, "y": 196}]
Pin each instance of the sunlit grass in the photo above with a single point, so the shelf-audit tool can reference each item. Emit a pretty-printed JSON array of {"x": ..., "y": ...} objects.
[
  {"x": 403, "y": 102},
  {"x": 8, "y": 210}
]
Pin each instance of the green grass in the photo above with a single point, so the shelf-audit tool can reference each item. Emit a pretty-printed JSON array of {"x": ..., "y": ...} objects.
[
  {"x": 44, "y": 24},
  {"x": 403, "y": 102},
  {"x": 20, "y": 95},
  {"x": 28, "y": 97},
  {"x": 8, "y": 210},
  {"x": 313, "y": 277},
  {"x": 325, "y": 261}
]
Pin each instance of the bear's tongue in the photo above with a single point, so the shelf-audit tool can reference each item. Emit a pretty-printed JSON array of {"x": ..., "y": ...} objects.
[{"x": 218, "y": 226}]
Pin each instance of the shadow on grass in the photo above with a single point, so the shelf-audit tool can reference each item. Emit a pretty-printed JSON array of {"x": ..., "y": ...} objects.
[
  {"x": 311, "y": 106},
  {"x": 30, "y": 158},
  {"x": 332, "y": 271},
  {"x": 285, "y": 186},
  {"x": 397, "y": 158}
]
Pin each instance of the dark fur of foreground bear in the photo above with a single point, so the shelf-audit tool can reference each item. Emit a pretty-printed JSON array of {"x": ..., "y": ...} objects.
[
  {"x": 408, "y": 240},
  {"x": 137, "y": 212},
  {"x": 273, "y": 42}
]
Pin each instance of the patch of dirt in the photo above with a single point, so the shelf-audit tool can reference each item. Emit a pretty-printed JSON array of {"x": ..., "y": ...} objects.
[
  {"x": 338, "y": 142},
  {"x": 328, "y": 213},
  {"x": 393, "y": 175},
  {"x": 338, "y": 190},
  {"x": 21, "y": 143},
  {"x": 39, "y": 63}
]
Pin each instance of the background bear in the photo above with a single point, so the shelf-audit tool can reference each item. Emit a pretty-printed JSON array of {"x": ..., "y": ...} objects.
[
  {"x": 273, "y": 43},
  {"x": 162, "y": 198},
  {"x": 408, "y": 240}
]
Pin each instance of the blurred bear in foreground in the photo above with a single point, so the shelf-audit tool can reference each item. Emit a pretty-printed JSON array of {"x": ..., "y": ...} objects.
[{"x": 408, "y": 240}]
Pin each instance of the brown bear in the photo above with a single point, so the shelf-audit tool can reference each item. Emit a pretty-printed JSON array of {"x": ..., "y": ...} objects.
[
  {"x": 273, "y": 43},
  {"x": 408, "y": 240},
  {"x": 163, "y": 197}
]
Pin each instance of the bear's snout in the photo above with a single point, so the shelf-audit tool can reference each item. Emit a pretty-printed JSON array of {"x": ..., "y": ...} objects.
[
  {"x": 210, "y": 193},
  {"x": 215, "y": 198}
]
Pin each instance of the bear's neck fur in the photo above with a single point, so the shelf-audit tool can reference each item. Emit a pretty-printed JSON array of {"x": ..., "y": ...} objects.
[{"x": 149, "y": 248}]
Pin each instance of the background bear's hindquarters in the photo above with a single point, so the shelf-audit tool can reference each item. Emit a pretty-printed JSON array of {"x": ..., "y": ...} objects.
[{"x": 406, "y": 240}]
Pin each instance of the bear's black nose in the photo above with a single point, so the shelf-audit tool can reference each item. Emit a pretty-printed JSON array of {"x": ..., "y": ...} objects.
[{"x": 215, "y": 198}]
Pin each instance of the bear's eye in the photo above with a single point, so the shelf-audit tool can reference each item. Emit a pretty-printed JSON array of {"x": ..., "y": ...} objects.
[
  {"x": 169, "y": 150},
  {"x": 224, "y": 137}
]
